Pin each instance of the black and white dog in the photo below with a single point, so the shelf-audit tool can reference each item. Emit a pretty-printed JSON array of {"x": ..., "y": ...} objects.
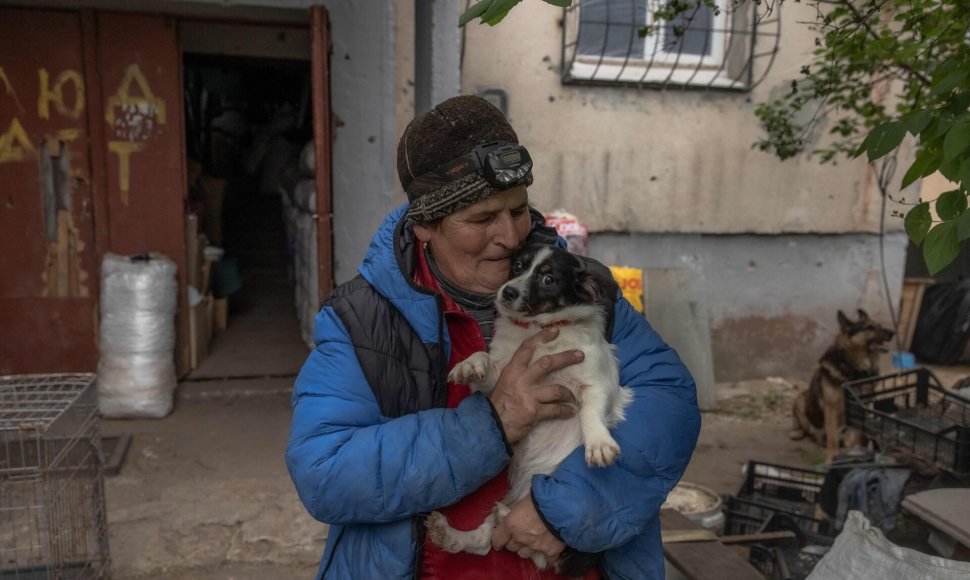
[{"x": 548, "y": 287}]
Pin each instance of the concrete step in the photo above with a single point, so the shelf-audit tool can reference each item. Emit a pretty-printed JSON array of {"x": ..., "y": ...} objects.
[{"x": 213, "y": 389}]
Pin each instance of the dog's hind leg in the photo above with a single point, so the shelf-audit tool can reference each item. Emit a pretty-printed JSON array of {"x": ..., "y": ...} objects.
[{"x": 477, "y": 541}]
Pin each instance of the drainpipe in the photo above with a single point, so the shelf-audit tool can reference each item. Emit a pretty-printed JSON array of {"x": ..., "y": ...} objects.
[{"x": 437, "y": 51}]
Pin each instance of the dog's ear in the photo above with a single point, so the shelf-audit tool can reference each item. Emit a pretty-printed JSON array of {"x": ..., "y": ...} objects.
[
  {"x": 591, "y": 287},
  {"x": 844, "y": 322},
  {"x": 863, "y": 316}
]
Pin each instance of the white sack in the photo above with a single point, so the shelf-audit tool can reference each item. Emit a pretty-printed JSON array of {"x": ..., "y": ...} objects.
[
  {"x": 135, "y": 385},
  {"x": 862, "y": 552},
  {"x": 308, "y": 160},
  {"x": 136, "y": 370}
]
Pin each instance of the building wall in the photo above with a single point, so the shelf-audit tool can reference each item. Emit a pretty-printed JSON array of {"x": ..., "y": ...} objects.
[
  {"x": 778, "y": 247},
  {"x": 363, "y": 93}
]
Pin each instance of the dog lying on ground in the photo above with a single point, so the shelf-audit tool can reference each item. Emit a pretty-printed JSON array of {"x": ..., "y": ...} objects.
[
  {"x": 819, "y": 411},
  {"x": 548, "y": 287}
]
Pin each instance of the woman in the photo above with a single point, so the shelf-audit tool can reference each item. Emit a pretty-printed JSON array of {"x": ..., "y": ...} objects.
[{"x": 379, "y": 438}]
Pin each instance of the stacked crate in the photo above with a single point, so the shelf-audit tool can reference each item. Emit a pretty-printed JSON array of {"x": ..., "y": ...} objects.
[
  {"x": 52, "y": 509},
  {"x": 776, "y": 498}
]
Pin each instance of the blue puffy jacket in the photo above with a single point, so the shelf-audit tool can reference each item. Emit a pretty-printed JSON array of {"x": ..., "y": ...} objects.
[{"x": 372, "y": 476}]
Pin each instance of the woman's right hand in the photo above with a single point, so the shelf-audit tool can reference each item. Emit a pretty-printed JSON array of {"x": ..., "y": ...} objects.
[{"x": 522, "y": 399}]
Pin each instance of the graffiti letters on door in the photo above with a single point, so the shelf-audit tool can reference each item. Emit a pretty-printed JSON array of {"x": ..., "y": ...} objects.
[{"x": 132, "y": 113}]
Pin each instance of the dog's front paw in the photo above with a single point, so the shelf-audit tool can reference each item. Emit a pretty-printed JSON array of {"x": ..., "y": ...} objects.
[
  {"x": 440, "y": 533},
  {"x": 601, "y": 451},
  {"x": 471, "y": 370}
]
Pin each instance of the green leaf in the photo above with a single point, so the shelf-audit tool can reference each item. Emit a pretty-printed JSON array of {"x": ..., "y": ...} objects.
[
  {"x": 948, "y": 82},
  {"x": 957, "y": 141},
  {"x": 918, "y": 223},
  {"x": 951, "y": 169},
  {"x": 884, "y": 138},
  {"x": 951, "y": 204},
  {"x": 963, "y": 226},
  {"x": 497, "y": 11},
  {"x": 927, "y": 161},
  {"x": 560, "y": 3},
  {"x": 939, "y": 128},
  {"x": 474, "y": 12},
  {"x": 917, "y": 121},
  {"x": 941, "y": 246},
  {"x": 965, "y": 174}
]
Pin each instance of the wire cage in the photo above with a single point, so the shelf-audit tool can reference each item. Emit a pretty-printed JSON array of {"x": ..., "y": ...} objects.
[{"x": 52, "y": 509}]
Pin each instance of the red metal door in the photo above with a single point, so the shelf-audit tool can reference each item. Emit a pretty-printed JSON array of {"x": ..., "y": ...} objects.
[
  {"x": 320, "y": 74},
  {"x": 141, "y": 101},
  {"x": 48, "y": 264}
]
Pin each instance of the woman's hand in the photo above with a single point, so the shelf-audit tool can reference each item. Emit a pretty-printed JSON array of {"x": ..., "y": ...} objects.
[
  {"x": 522, "y": 399},
  {"x": 523, "y": 532}
]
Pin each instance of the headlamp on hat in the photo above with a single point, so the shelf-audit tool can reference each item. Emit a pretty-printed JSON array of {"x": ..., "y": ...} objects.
[{"x": 502, "y": 164}]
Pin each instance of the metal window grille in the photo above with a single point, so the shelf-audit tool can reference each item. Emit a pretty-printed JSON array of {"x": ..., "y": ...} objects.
[
  {"x": 731, "y": 47},
  {"x": 52, "y": 509}
]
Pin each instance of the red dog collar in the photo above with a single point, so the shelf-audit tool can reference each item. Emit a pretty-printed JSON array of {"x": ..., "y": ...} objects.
[{"x": 522, "y": 324}]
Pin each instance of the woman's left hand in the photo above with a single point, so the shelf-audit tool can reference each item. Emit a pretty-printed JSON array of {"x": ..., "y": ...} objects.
[{"x": 523, "y": 532}]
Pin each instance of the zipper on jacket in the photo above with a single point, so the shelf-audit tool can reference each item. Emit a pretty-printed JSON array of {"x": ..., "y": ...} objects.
[
  {"x": 420, "y": 532},
  {"x": 441, "y": 396}
]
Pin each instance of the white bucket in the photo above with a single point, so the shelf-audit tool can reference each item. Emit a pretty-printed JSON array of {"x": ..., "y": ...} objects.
[{"x": 698, "y": 503}]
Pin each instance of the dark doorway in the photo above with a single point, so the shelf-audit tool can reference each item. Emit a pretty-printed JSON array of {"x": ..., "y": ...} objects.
[{"x": 247, "y": 122}]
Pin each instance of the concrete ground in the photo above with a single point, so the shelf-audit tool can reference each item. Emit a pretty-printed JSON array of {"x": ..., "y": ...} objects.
[{"x": 204, "y": 493}]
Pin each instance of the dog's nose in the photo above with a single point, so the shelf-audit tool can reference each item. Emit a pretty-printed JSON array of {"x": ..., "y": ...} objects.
[{"x": 509, "y": 293}]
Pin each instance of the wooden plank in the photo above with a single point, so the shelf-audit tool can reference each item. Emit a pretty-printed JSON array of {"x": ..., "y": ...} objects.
[
  {"x": 762, "y": 537},
  {"x": 946, "y": 509},
  {"x": 703, "y": 560},
  {"x": 677, "y": 536},
  {"x": 910, "y": 300}
]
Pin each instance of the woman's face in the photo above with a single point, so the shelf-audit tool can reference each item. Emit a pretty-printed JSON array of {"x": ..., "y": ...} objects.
[{"x": 472, "y": 246}]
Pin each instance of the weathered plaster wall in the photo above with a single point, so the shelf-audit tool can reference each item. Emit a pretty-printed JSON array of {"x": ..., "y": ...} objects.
[
  {"x": 647, "y": 160},
  {"x": 772, "y": 300},
  {"x": 775, "y": 248}
]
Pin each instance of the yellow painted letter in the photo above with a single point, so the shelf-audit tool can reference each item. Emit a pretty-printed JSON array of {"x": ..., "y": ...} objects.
[
  {"x": 56, "y": 94},
  {"x": 123, "y": 96},
  {"x": 124, "y": 149},
  {"x": 15, "y": 145}
]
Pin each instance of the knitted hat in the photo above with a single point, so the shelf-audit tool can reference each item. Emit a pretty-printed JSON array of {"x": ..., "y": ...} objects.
[{"x": 452, "y": 129}]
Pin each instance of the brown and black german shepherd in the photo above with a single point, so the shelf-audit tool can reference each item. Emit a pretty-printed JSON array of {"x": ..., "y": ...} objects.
[{"x": 820, "y": 410}]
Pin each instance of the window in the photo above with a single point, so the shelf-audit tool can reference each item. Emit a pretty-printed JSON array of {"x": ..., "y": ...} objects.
[{"x": 700, "y": 47}]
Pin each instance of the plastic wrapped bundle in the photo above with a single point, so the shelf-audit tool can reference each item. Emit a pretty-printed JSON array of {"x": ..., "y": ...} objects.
[{"x": 136, "y": 370}]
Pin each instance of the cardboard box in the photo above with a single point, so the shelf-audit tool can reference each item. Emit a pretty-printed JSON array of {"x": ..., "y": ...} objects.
[
  {"x": 199, "y": 332},
  {"x": 220, "y": 314},
  {"x": 194, "y": 257}
]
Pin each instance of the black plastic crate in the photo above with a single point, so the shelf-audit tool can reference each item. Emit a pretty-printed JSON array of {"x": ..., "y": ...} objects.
[
  {"x": 911, "y": 411},
  {"x": 791, "y": 558},
  {"x": 786, "y": 562},
  {"x": 793, "y": 490},
  {"x": 743, "y": 516}
]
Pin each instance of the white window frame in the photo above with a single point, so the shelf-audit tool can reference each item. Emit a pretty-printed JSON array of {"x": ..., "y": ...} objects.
[{"x": 664, "y": 67}]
